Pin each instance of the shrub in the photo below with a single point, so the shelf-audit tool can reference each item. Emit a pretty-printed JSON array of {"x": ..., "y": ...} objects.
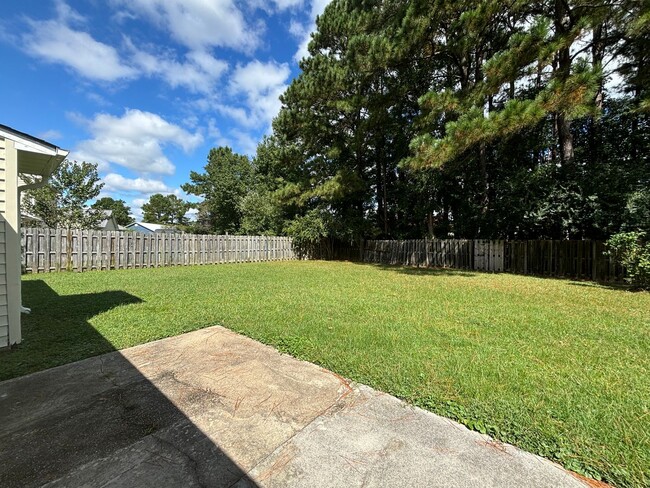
[
  {"x": 308, "y": 231},
  {"x": 632, "y": 250}
]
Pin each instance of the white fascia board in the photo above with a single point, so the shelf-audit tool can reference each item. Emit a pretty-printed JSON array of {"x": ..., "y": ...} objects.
[{"x": 24, "y": 144}]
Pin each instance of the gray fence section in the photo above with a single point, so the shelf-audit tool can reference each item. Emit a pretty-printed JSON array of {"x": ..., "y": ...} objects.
[
  {"x": 577, "y": 259},
  {"x": 52, "y": 250},
  {"x": 483, "y": 255}
]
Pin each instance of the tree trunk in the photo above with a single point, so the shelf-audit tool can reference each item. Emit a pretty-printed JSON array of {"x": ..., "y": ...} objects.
[
  {"x": 565, "y": 138},
  {"x": 485, "y": 198},
  {"x": 68, "y": 249},
  {"x": 563, "y": 27},
  {"x": 597, "y": 54},
  {"x": 385, "y": 197}
]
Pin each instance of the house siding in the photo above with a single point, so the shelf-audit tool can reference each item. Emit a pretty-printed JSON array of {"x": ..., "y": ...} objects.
[
  {"x": 10, "y": 271},
  {"x": 4, "y": 308}
]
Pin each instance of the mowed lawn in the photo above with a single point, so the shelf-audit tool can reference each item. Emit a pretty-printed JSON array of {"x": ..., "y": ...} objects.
[{"x": 556, "y": 367}]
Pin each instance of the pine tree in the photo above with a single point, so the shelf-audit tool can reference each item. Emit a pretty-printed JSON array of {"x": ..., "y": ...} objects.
[{"x": 223, "y": 185}]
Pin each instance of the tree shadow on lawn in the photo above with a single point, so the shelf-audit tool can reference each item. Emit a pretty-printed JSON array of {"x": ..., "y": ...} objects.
[
  {"x": 584, "y": 282},
  {"x": 98, "y": 421},
  {"x": 601, "y": 285},
  {"x": 420, "y": 271},
  {"x": 415, "y": 271}
]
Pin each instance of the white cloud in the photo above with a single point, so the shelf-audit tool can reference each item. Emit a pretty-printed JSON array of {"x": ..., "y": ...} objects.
[
  {"x": 139, "y": 201},
  {"x": 245, "y": 143},
  {"x": 285, "y": 4},
  {"x": 63, "y": 41},
  {"x": 260, "y": 85},
  {"x": 199, "y": 72},
  {"x": 66, "y": 13},
  {"x": 51, "y": 134},
  {"x": 270, "y": 6},
  {"x": 240, "y": 115},
  {"x": 297, "y": 30},
  {"x": 198, "y": 24},
  {"x": 253, "y": 92},
  {"x": 56, "y": 41},
  {"x": 240, "y": 141},
  {"x": 117, "y": 183},
  {"x": 317, "y": 8},
  {"x": 135, "y": 141},
  {"x": 303, "y": 47},
  {"x": 257, "y": 77},
  {"x": 191, "y": 121},
  {"x": 136, "y": 207},
  {"x": 97, "y": 98}
]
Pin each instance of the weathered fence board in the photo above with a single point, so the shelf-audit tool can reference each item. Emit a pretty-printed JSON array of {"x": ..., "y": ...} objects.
[
  {"x": 574, "y": 259},
  {"x": 52, "y": 250}
]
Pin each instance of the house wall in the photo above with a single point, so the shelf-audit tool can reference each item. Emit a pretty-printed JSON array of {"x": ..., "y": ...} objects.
[
  {"x": 4, "y": 318},
  {"x": 10, "y": 297}
]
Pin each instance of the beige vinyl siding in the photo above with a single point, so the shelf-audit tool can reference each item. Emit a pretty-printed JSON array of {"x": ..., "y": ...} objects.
[
  {"x": 3, "y": 177},
  {"x": 4, "y": 309}
]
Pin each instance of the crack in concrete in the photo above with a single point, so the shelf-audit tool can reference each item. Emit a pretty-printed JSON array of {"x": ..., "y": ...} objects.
[
  {"x": 193, "y": 464},
  {"x": 392, "y": 446},
  {"x": 326, "y": 411}
]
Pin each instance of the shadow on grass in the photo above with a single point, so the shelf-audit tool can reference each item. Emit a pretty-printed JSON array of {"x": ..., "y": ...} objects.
[
  {"x": 419, "y": 271},
  {"x": 57, "y": 330},
  {"x": 98, "y": 421},
  {"x": 415, "y": 271},
  {"x": 602, "y": 285}
]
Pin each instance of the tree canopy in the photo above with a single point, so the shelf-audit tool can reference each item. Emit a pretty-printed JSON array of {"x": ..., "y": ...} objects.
[
  {"x": 120, "y": 210},
  {"x": 226, "y": 181},
  {"x": 63, "y": 202},
  {"x": 165, "y": 209},
  {"x": 474, "y": 119},
  {"x": 519, "y": 120}
]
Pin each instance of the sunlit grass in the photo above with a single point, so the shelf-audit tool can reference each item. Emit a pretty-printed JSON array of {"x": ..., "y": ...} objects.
[{"x": 556, "y": 367}]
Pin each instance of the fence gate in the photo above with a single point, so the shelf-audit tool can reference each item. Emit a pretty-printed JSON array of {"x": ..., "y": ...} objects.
[{"x": 488, "y": 255}]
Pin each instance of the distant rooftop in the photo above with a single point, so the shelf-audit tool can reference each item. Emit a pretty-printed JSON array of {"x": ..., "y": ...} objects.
[{"x": 151, "y": 227}]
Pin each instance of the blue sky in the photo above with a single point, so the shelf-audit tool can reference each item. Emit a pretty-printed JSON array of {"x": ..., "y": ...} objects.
[{"x": 145, "y": 88}]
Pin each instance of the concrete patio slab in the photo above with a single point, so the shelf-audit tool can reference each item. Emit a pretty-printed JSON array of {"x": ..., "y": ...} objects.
[{"x": 213, "y": 408}]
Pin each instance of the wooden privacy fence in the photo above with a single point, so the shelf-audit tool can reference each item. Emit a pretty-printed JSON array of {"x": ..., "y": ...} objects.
[
  {"x": 575, "y": 259},
  {"x": 52, "y": 250}
]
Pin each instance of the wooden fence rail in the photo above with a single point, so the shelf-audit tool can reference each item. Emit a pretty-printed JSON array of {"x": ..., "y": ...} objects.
[
  {"x": 574, "y": 259},
  {"x": 52, "y": 250}
]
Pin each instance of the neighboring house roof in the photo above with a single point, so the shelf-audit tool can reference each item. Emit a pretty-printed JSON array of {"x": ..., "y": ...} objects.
[
  {"x": 108, "y": 216},
  {"x": 25, "y": 217},
  {"x": 35, "y": 156},
  {"x": 151, "y": 227}
]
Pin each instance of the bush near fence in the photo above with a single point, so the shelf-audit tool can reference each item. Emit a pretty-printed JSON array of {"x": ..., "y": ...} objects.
[
  {"x": 329, "y": 249},
  {"x": 52, "y": 250}
]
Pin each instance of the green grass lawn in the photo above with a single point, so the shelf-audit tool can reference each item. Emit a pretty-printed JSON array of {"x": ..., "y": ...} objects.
[{"x": 556, "y": 367}]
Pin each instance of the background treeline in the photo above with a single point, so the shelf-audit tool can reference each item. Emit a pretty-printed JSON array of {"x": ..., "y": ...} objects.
[
  {"x": 474, "y": 119},
  {"x": 471, "y": 119}
]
